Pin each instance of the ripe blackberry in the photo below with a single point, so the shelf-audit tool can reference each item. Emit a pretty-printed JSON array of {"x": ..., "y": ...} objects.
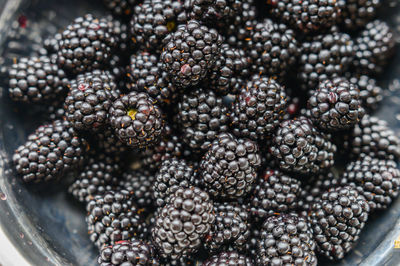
[
  {"x": 335, "y": 105},
  {"x": 140, "y": 185},
  {"x": 231, "y": 228},
  {"x": 337, "y": 219},
  {"x": 136, "y": 120},
  {"x": 325, "y": 56},
  {"x": 309, "y": 16},
  {"x": 89, "y": 99},
  {"x": 229, "y": 168},
  {"x": 122, "y": 8},
  {"x": 183, "y": 223},
  {"x": 51, "y": 151},
  {"x": 374, "y": 47},
  {"x": 286, "y": 239},
  {"x": 51, "y": 44},
  {"x": 238, "y": 36},
  {"x": 125, "y": 43},
  {"x": 109, "y": 143},
  {"x": 201, "y": 116},
  {"x": 272, "y": 48},
  {"x": 370, "y": 93},
  {"x": 190, "y": 53},
  {"x": 274, "y": 191},
  {"x": 85, "y": 44},
  {"x": 153, "y": 20},
  {"x": 112, "y": 217},
  {"x": 133, "y": 252},
  {"x": 36, "y": 80},
  {"x": 300, "y": 148},
  {"x": 377, "y": 180},
  {"x": 258, "y": 109},
  {"x": 173, "y": 174},
  {"x": 357, "y": 13},
  {"x": 228, "y": 258},
  {"x": 252, "y": 242}
]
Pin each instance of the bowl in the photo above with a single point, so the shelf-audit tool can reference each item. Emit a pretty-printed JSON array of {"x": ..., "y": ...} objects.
[{"x": 42, "y": 225}]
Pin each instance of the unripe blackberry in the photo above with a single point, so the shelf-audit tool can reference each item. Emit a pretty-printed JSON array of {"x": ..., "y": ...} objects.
[{"x": 228, "y": 258}]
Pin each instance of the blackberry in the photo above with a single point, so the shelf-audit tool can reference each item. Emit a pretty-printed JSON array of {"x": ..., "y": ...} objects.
[
  {"x": 125, "y": 43},
  {"x": 51, "y": 44},
  {"x": 153, "y": 20},
  {"x": 109, "y": 143},
  {"x": 89, "y": 99},
  {"x": 310, "y": 16},
  {"x": 183, "y": 223},
  {"x": 370, "y": 93},
  {"x": 375, "y": 46},
  {"x": 337, "y": 219},
  {"x": 286, "y": 239},
  {"x": 228, "y": 258},
  {"x": 50, "y": 152},
  {"x": 134, "y": 252},
  {"x": 36, "y": 80},
  {"x": 140, "y": 185},
  {"x": 231, "y": 228},
  {"x": 201, "y": 116},
  {"x": 122, "y": 8},
  {"x": 86, "y": 44},
  {"x": 238, "y": 36},
  {"x": 112, "y": 217},
  {"x": 252, "y": 242},
  {"x": 229, "y": 168},
  {"x": 274, "y": 191},
  {"x": 377, "y": 180},
  {"x": 300, "y": 148},
  {"x": 336, "y": 105},
  {"x": 173, "y": 174},
  {"x": 357, "y": 13},
  {"x": 258, "y": 109},
  {"x": 136, "y": 120},
  {"x": 272, "y": 48},
  {"x": 190, "y": 53}
]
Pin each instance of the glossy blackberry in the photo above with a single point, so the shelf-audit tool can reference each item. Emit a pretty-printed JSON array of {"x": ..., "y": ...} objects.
[
  {"x": 231, "y": 228},
  {"x": 371, "y": 94},
  {"x": 374, "y": 47},
  {"x": 272, "y": 48},
  {"x": 133, "y": 252},
  {"x": 336, "y": 105},
  {"x": 146, "y": 75},
  {"x": 201, "y": 116},
  {"x": 89, "y": 99},
  {"x": 173, "y": 174},
  {"x": 377, "y": 180},
  {"x": 122, "y": 8},
  {"x": 36, "y": 80},
  {"x": 85, "y": 44},
  {"x": 309, "y": 16},
  {"x": 357, "y": 13},
  {"x": 300, "y": 148},
  {"x": 274, "y": 191},
  {"x": 190, "y": 53},
  {"x": 50, "y": 152},
  {"x": 136, "y": 120},
  {"x": 238, "y": 36},
  {"x": 109, "y": 143},
  {"x": 153, "y": 20},
  {"x": 112, "y": 217},
  {"x": 229, "y": 168},
  {"x": 286, "y": 239},
  {"x": 325, "y": 56},
  {"x": 183, "y": 223},
  {"x": 259, "y": 108},
  {"x": 228, "y": 258},
  {"x": 337, "y": 219},
  {"x": 140, "y": 185}
]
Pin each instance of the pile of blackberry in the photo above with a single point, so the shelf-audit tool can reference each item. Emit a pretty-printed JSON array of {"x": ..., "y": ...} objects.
[{"x": 230, "y": 132}]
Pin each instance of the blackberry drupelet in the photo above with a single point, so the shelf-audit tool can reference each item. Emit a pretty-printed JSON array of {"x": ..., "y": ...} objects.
[
  {"x": 86, "y": 44},
  {"x": 36, "y": 80},
  {"x": 336, "y": 105},
  {"x": 122, "y": 8},
  {"x": 201, "y": 116},
  {"x": 190, "y": 53},
  {"x": 112, "y": 217},
  {"x": 272, "y": 48},
  {"x": 133, "y": 252},
  {"x": 370, "y": 93},
  {"x": 50, "y": 152},
  {"x": 258, "y": 109},
  {"x": 183, "y": 223},
  {"x": 286, "y": 239},
  {"x": 140, "y": 185},
  {"x": 300, "y": 148},
  {"x": 229, "y": 168},
  {"x": 357, "y": 13},
  {"x": 89, "y": 99},
  {"x": 337, "y": 219},
  {"x": 137, "y": 121},
  {"x": 173, "y": 174},
  {"x": 228, "y": 258},
  {"x": 109, "y": 143},
  {"x": 376, "y": 179},
  {"x": 375, "y": 46}
]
